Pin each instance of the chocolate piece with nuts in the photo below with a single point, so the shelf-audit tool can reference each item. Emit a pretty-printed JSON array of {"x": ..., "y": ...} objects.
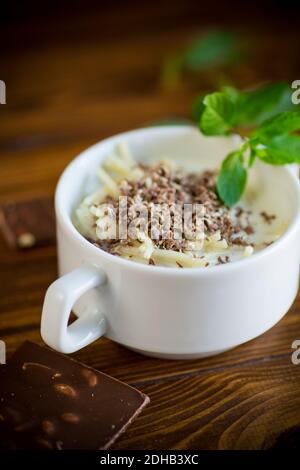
[
  {"x": 49, "y": 401},
  {"x": 28, "y": 223}
]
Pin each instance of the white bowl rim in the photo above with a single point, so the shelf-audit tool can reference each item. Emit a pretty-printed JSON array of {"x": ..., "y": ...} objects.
[{"x": 65, "y": 219}]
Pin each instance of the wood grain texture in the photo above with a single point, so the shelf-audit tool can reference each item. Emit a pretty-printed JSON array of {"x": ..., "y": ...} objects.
[
  {"x": 73, "y": 82},
  {"x": 241, "y": 408}
]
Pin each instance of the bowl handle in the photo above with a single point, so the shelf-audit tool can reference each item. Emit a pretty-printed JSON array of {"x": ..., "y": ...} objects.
[{"x": 59, "y": 300}]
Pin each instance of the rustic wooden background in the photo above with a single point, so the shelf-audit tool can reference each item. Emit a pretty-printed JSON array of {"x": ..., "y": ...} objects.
[{"x": 82, "y": 72}]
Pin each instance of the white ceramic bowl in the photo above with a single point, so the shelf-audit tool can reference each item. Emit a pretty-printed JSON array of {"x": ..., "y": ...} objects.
[{"x": 169, "y": 312}]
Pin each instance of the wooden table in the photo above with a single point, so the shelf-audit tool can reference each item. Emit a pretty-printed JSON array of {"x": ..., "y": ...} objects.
[{"x": 74, "y": 80}]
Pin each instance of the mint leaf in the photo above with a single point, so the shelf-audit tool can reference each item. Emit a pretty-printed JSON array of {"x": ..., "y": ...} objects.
[
  {"x": 274, "y": 144},
  {"x": 222, "y": 111},
  {"x": 254, "y": 107},
  {"x": 198, "y": 105},
  {"x": 232, "y": 178},
  {"x": 214, "y": 48},
  {"x": 232, "y": 92},
  {"x": 266, "y": 109},
  {"x": 252, "y": 156},
  {"x": 283, "y": 123},
  {"x": 218, "y": 115},
  {"x": 279, "y": 149}
]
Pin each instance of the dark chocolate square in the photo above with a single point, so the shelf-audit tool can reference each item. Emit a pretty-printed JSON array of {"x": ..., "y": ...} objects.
[
  {"x": 50, "y": 401},
  {"x": 28, "y": 223}
]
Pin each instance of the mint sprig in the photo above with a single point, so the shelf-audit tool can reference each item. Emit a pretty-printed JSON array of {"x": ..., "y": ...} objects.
[
  {"x": 265, "y": 118},
  {"x": 218, "y": 115},
  {"x": 233, "y": 177},
  {"x": 215, "y": 48},
  {"x": 211, "y": 49}
]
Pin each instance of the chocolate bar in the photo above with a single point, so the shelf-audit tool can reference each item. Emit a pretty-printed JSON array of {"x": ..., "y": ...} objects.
[
  {"x": 28, "y": 223},
  {"x": 50, "y": 401}
]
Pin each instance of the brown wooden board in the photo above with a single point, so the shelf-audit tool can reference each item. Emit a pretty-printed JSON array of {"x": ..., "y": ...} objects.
[{"x": 73, "y": 81}]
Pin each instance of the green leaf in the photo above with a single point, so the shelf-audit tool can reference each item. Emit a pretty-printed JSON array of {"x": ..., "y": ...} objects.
[
  {"x": 198, "y": 105},
  {"x": 254, "y": 107},
  {"x": 268, "y": 110},
  {"x": 213, "y": 49},
  {"x": 218, "y": 115},
  {"x": 235, "y": 109},
  {"x": 283, "y": 123},
  {"x": 232, "y": 178},
  {"x": 252, "y": 157},
  {"x": 279, "y": 149},
  {"x": 232, "y": 92}
]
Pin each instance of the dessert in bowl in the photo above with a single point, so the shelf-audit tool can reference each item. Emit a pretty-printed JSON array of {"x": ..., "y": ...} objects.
[
  {"x": 162, "y": 214},
  {"x": 240, "y": 272}
]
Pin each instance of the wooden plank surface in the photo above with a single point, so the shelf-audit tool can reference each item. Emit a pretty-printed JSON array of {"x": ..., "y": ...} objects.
[
  {"x": 249, "y": 407},
  {"x": 67, "y": 91}
]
